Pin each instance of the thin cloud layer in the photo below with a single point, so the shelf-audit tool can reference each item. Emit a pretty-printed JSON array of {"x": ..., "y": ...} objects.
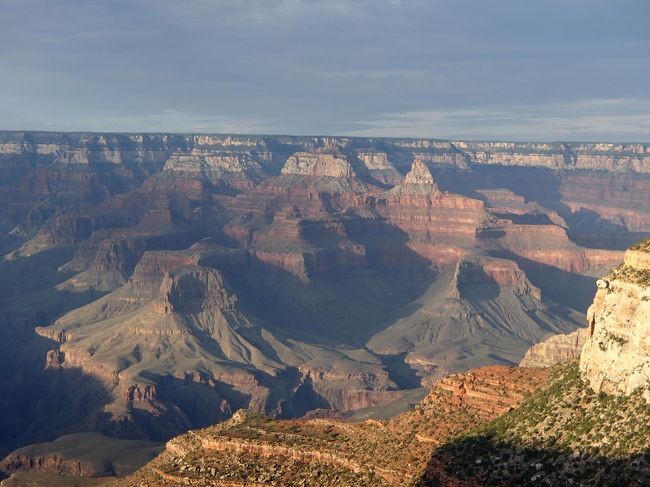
[
  {"x": 583, "y": 120},
  {"x": 464, "y": 68}
]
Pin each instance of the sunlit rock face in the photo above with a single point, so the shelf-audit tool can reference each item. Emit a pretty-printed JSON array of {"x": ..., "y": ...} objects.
[
  {"x": 616, "y": 357},
  {"x": 307, "y": 164},
  {"x": 556, "y": 349}
]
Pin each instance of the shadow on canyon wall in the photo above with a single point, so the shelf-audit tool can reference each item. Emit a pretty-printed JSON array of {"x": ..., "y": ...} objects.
[
  {"x": 344, "y": 298},
  {"x": 38, "y": 404},
  {"x": 400, "y": 372},
  {"x": 543, "y": 186},
  {"x": 569, "y": 289}
]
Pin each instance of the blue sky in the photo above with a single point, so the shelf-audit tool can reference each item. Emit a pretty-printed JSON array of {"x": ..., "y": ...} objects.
[{"x": 498, "y": 69}]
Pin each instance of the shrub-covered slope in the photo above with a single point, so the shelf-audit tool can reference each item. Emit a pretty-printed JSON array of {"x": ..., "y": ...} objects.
[{"x": 564, "y": 434}]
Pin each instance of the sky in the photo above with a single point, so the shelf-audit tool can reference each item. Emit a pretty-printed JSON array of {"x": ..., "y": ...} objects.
[{"x": 548, "y": 70}]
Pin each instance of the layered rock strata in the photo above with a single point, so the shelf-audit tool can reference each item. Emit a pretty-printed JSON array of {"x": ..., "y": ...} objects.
[
  {"x": 616, "y": 357},
  {"x": 556, "y": 349},
  {"x": 363, "y": 266},
  {"x": 253, "y": 450}
]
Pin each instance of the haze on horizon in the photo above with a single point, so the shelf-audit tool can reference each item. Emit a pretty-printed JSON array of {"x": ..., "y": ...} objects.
[{"x": 507, "y": 69}]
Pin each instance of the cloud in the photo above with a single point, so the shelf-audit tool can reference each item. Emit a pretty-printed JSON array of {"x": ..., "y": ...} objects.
[
  {"x": 317, "y": 66},
  {"x": 615, "y": 120}
]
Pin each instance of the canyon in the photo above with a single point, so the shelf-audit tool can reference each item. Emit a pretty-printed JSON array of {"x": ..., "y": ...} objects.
[
  {"x": 158, "y": 283},
  {"x": 574, "y": 412}
]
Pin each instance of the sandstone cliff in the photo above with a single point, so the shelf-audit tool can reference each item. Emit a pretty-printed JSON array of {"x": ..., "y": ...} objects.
[
  {"x": 556, "y": 349},
  {"x": 306, "y": 164},
  {"x": 616, "y": 357}
]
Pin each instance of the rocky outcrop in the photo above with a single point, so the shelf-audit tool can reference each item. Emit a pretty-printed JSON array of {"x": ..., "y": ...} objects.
[
  {"x": 419, "y": 174},
  {"x": 492, "y": 390},
  {"x": 556, "y": 349},
  {"x": 379, "y": 166},
  {"x": 54, "y": 358},
  {"x": 308, "y": 164},
  {"x": 238, "y": 170},
  {"x": 616, "y": 357},
  {"x": 417, "y": 182},
  {"x": 503, "y": 273}
]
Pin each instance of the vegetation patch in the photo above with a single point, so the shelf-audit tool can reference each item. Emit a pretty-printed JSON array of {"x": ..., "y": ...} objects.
[
  {"x": 642, "y": 246},
  {"x": 631, "y": 274},
  {"x": 562, "y": 435}
]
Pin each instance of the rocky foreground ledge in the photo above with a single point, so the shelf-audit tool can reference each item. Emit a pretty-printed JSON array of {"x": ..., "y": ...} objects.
[{"x": 251, "y": 450}]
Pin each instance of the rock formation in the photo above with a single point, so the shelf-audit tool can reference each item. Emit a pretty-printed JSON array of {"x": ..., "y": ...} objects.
[
  {"x": 329, "y": 165},
  {"x": 613, "y": 355},
  {"x": 251, "y": 448},
  {"x": 464, "y": 311},
  {"x": 556, "y": 349},
  {"x": 417, "y": 182},
  {"x": 178, "y": 321},
  {"x": 379, "y": 166},
  {"x": 187, "y": 276},
  {"x": 616, "y": 357}
]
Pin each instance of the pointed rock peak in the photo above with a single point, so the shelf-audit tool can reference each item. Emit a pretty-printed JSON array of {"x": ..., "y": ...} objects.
[
  {"x": 419, "y": 174},
  {"x": 418, "y": 182}
]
